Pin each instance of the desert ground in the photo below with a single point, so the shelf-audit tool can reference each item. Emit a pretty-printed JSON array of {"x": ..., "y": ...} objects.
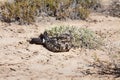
[{"x": 20, "y": 60}]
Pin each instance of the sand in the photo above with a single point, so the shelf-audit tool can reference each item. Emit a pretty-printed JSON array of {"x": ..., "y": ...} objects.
[{"x": 20, "y": 60}]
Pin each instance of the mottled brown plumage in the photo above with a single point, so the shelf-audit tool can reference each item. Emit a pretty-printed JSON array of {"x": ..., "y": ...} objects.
[{"x": 60, "y": 43}]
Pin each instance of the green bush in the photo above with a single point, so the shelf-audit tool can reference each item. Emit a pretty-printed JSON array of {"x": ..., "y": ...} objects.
[{"x": 81, "y": 37}]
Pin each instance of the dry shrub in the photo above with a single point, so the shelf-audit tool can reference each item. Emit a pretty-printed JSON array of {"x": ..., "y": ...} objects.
[
  {"x": 26, "y": 11},
  {"x": 81, "y": 37},
  {"x": 111, "y": 67},
  {"x": 114, "y": 8},
  {"x": 84, "y": 13},
  {"x": 88, "y": 3},
  {"x": 23, "y": 11}
]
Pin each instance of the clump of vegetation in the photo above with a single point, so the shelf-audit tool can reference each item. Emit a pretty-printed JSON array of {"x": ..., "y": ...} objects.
[
  {"x": 111, "y": 67},
  {"x": 84, "y": 13},
  {"x": 81, "y": 37},
  {"x": 26, "y": 11},
  {"x": 23, "y": 11},
  {"x": 88, "y": 3},
  {"x": 115, "y": 8}
]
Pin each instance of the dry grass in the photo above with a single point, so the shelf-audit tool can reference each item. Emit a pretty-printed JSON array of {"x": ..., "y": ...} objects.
[
  {"x": 26, "y": 11},
  {"x": 22, "y": 11}
]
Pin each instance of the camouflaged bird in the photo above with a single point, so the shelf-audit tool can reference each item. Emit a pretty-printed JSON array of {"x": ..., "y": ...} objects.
[{"x": 61, "y": 43}]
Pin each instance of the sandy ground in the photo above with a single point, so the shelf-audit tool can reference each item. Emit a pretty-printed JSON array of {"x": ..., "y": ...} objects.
[{"x": 20, "y": 60}]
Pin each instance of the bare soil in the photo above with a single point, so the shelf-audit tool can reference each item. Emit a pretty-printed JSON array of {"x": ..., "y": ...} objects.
[{"x": 20, "y": 60}]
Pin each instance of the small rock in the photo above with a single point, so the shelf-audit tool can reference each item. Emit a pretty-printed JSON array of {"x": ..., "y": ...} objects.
[{"x": 12, "y": 69}]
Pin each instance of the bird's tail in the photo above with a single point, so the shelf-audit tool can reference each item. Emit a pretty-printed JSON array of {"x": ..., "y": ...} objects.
[{"x": 35, "y": 41}]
